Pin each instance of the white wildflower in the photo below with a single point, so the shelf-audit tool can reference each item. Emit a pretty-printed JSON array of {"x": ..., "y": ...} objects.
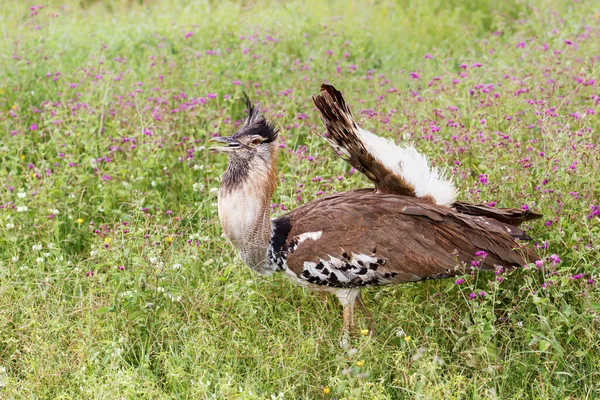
[{"x": 3, "y": 377}]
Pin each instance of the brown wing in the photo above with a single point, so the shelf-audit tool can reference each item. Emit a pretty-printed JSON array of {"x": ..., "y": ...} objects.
[
  {"x": 360, "y": 238},
  {"x": 507, "y": 219},
  {"x": 342, "y": 136},
  {"x": 512, "y": 216}
]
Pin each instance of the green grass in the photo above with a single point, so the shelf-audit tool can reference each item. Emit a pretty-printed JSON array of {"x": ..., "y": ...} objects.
[{"x": 103, "y": 165}]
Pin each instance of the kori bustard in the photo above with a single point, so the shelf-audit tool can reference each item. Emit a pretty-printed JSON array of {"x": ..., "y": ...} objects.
[{"x": 406, "y": 229}]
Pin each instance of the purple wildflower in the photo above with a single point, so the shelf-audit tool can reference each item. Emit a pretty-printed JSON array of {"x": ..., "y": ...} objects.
[
  {"x": 554, "y": 258},
  {"x": 595, "y": 212}
]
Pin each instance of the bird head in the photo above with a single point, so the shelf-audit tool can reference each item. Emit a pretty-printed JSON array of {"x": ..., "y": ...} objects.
[
  {"x": 252, "y": 152},
  {"x": 255, "y": 138}
]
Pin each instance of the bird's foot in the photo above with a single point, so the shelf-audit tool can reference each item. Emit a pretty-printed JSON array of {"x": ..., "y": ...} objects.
[{"x": 345, "y": 340}]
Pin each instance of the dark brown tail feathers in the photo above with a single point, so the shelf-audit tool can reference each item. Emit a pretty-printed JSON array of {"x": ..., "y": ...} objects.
[
  {"x": 343, "y": 137},
  {"x": 512, "y": 216}
]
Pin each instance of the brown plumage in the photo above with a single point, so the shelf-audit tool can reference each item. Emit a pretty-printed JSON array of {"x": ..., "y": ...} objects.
[
  {"x": 411, "y": 239},
  {"x": 408, "y": 228},
  {"x": 511, "y": 216}
]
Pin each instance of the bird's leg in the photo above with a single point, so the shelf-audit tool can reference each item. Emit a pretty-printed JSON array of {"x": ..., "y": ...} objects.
[
  {"x": 347, "y": 298},
  {"x": 349, "y": 318},
  {"x": 365, "y": 310}
]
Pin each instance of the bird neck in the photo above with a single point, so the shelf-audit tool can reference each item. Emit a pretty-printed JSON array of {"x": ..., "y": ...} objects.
[{"x": 244, "y": 202}]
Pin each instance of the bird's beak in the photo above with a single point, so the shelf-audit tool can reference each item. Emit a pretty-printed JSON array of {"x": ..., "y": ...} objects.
[{"x": 230, "y": 144}]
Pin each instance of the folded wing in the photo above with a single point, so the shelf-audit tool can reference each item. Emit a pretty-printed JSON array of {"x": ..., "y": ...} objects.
[{"x": 361, "y": 238}]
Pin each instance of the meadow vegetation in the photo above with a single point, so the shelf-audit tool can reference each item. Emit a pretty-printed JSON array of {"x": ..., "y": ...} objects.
[{"x": 115, "y": 281}]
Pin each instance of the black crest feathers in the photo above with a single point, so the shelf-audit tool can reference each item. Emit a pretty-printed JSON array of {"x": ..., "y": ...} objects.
[{"x": 256, "y": 124}]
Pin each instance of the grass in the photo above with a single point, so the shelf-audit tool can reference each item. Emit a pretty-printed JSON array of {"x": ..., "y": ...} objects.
[{"x": 115, "y": 281}]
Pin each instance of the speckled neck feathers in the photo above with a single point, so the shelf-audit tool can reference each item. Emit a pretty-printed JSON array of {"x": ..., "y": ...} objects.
[{"x": 244, "y": 200}]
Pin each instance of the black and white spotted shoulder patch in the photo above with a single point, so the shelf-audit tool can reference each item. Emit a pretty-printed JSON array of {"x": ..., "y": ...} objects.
[{"x": 350, "y": 270}]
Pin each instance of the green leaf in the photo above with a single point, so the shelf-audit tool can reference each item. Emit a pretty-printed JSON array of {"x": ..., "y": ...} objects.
[
  {"x": 105, "y": 309},
  {"x": 580, "y": 353},
  {"x": 543, "y": 345}
]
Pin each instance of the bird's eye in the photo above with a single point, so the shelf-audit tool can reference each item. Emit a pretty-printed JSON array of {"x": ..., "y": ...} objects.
[{"x": 255, "y": 142}]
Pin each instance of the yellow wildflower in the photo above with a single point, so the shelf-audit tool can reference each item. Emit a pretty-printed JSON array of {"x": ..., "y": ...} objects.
[
  {"x": 360, "y": 363},
  {"x": 79, "y": 220},
  {"x": 15, "y": 106},
  {"x": 78, "y": 134},
  {"x": 326, "y": 390},
  {"x": 169, "y": 239},
  {"x": 22, "y": 157},
  {"x": 407, "y": 339},
  {"x": 364, "y": 332},
  {"x": 107, "y": 240}
]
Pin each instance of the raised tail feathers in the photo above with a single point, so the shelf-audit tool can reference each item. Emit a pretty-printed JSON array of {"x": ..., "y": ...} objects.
[
  {"x": 393, "y": 169},
  {"x": 343, "y": 137}
]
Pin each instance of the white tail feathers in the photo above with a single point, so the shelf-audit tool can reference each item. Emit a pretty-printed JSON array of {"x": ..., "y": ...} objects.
[
  {"x": 412, "y": 166},
  {"x": 393, "y": 169}
]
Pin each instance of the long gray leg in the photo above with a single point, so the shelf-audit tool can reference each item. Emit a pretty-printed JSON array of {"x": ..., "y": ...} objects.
[{"x": 347, "y": 297}]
